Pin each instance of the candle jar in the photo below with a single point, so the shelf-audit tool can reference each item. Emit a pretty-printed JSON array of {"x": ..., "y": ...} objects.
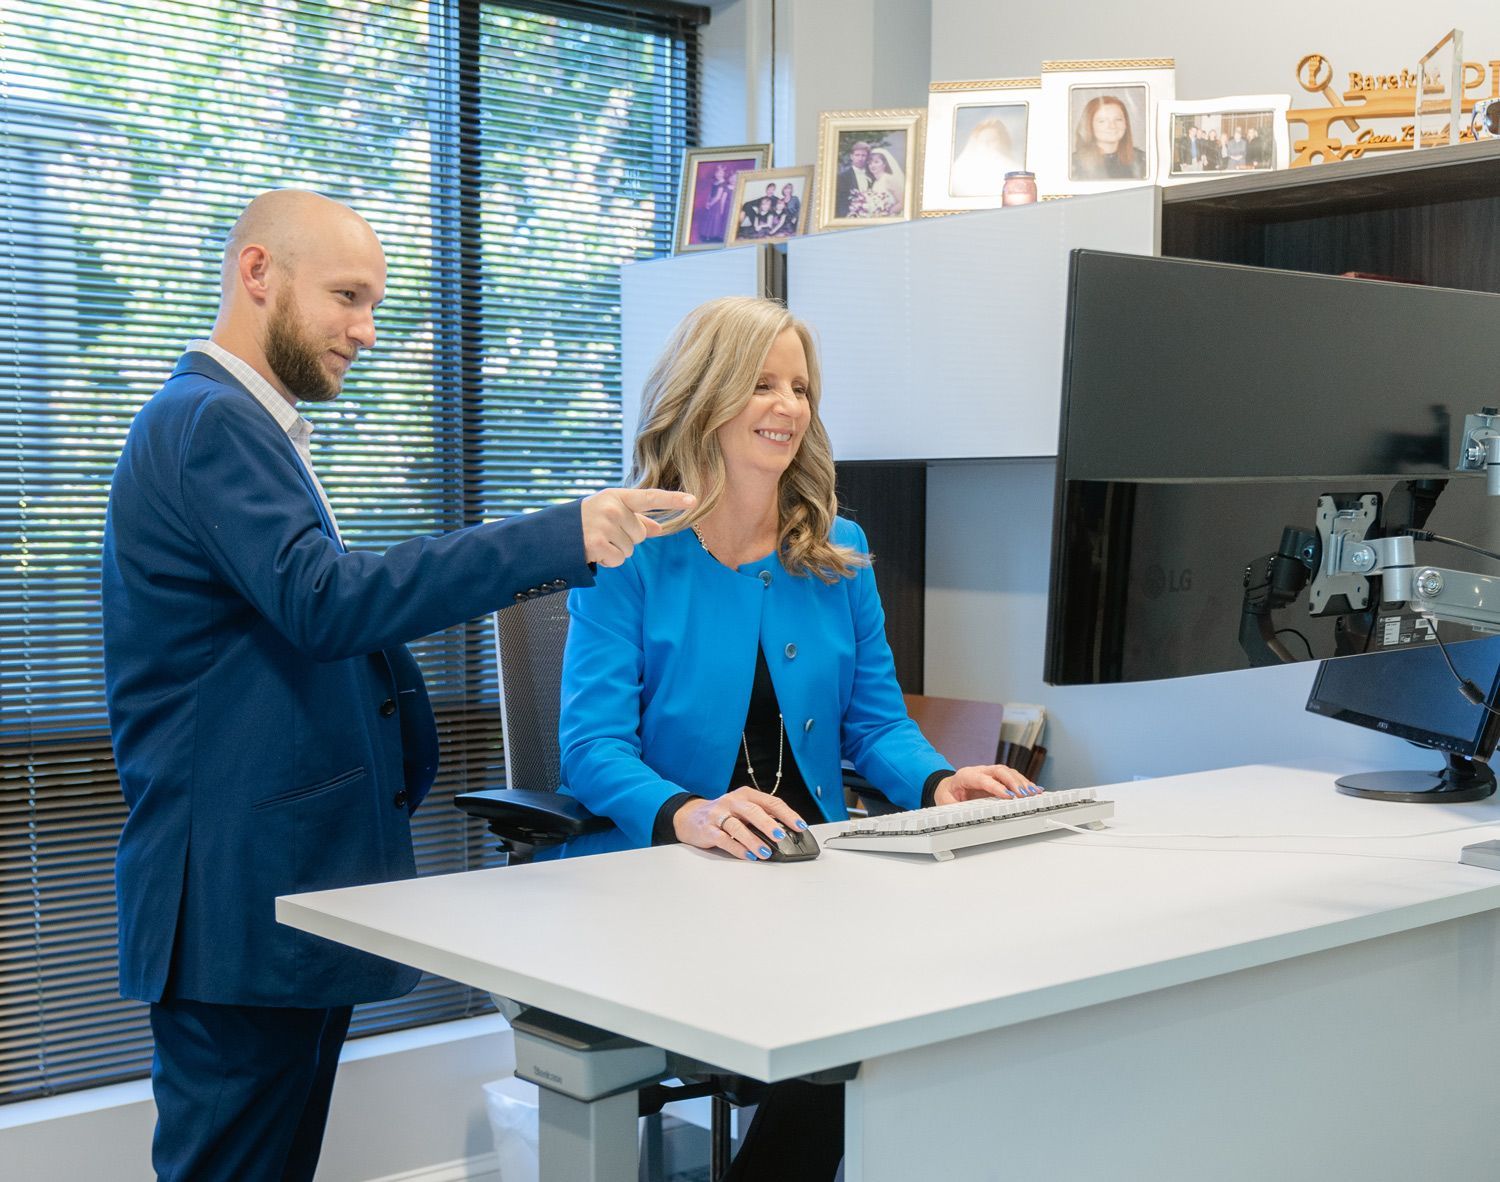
[{"x": 1019, "y": 188}]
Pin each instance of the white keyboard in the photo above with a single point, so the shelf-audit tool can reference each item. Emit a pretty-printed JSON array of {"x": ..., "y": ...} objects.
[{"x": 940, "y": 830}]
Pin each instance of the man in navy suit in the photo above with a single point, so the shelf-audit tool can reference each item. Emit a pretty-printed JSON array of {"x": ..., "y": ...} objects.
[{"x": 271, "y": 730}]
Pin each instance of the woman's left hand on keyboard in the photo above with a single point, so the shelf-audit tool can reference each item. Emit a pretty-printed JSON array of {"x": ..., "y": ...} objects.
[{"x": 971, "y": 783}]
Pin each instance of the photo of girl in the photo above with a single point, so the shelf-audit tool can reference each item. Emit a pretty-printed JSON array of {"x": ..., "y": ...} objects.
[{"x": 1105, "y": 135}]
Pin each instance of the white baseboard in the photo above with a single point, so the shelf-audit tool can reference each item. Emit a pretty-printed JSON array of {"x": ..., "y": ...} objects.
[
  {"x": 401, "y": 1100},
  {"x": 484, "y": 1168}
]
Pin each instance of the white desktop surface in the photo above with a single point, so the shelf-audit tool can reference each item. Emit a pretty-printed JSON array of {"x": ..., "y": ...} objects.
[{"x": 782, "y": 969}]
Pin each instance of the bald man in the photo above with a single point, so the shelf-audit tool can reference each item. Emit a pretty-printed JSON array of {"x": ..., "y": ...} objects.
[{"x": 272, "y": 732}]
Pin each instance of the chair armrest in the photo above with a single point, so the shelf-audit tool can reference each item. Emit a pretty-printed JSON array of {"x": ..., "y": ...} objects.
[
  {"x": 531, "y": 816},
  {"x": 875, "y": 802}
]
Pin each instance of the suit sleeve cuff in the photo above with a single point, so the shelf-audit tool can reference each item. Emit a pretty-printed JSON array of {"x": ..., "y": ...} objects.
[{"x": 929, "y": 789}]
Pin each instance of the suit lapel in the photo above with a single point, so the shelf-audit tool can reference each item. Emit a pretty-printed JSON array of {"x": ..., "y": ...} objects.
[{"x": 202, "y": 365}]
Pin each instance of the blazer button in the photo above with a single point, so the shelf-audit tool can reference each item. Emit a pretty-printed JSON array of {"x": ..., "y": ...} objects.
[
  {"x": 791, "y": 652},
  {"x": 807, "y": 726},
  {"x": 818, "y": 791},
  {"x": 765, "y": 577},
  {"x": 387, "y": 708},
  {"x": 401, "y": 799}
]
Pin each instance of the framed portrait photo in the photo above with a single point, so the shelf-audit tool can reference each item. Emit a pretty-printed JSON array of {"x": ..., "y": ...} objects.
[
  {"x": 976, "y": 133},
  {"x": 867, "y": 167},
  {"x": 705, "y": 198},
  {"x": 771, "y": 205},
  {"x": 1221, "y": 137},
  {"x": 1101, "y": 119}
]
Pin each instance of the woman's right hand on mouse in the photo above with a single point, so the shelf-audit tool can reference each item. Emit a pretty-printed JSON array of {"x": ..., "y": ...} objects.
[{"x": 743, "y": 823}]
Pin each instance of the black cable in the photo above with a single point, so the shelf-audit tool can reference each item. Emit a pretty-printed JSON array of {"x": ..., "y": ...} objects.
[
  {"x": 1423, "y": 535},
  {"x": 1471, "y": 692},
  {"x": 1300, "y": 637}
]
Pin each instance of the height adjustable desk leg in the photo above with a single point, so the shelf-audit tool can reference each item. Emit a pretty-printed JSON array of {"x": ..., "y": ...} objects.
[
  {"x": 589, "y": 1107},
  {"x": 588, "y": 1140}
]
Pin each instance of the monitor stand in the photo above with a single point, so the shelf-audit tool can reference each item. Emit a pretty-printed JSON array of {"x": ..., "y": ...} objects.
[{"x": 1463, "y": 779}]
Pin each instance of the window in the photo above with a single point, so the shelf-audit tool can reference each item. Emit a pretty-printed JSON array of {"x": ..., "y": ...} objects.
[{"x": 511, "y": 157}]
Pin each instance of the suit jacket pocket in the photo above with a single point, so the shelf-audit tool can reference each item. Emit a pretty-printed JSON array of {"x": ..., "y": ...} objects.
[{"x": 310, "y": 790}]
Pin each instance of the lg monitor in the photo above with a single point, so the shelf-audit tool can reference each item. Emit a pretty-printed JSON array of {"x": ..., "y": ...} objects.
[{"x": 1206, "y": 408}]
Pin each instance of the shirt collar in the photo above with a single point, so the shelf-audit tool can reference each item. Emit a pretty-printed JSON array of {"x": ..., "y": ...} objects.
[{"x": 262, "y": 391}]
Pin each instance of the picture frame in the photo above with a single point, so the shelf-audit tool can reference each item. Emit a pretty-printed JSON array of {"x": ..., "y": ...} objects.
[
  {"x": 976, "y": 133},
  {"x": 1182, "y": 127},
  {"x": 787, "y": 197},
  {"x": 1101, "y": 123},
  {"x": 850, "y": 193},
  {"x": 706, "y": 190}
]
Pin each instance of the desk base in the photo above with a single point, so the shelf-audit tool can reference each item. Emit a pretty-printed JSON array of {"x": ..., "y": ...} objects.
[{"x": 1280, "y": 1071}]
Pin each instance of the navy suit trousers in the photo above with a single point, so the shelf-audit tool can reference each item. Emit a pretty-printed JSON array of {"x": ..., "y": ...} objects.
[{"x": 242, "y": 1091}]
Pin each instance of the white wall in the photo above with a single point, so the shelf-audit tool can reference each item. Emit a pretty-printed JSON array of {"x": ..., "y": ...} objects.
[
  {"x": 1249, "y": 51},
  {"x": 771, "y": 66}
]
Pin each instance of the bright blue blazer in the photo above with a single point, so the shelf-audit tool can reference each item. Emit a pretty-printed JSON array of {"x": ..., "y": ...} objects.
[
  {"x": 272, "y": 733},
  {"x": 659, "y": 666}
]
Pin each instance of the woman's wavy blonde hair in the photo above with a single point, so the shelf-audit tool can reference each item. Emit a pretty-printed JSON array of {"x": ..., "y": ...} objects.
[{"x": 703, "y": 379}]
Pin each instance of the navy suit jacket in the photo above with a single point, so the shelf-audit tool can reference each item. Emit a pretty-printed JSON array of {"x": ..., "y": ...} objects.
[{"x": 272, "y": 732}]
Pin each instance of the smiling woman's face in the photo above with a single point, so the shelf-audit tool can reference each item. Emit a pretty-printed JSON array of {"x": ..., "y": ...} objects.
[
  {"x": 763, "y": 438},
  {"x": 1109, "y": 126}
]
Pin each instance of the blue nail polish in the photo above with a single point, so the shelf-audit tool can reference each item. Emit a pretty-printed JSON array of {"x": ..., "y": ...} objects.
[
  {"x": 764, "y": 853},
  {"x": 801, "y": 824},
  {"x": 778, "y": 833},
  {"x": 751, "y": 856}
]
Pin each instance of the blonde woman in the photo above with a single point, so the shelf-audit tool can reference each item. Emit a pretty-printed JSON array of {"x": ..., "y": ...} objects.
[{"x": 713, "y": 682}]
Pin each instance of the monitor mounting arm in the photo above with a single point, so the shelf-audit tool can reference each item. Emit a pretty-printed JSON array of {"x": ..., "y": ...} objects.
[{"x": 1349, "y": 557}]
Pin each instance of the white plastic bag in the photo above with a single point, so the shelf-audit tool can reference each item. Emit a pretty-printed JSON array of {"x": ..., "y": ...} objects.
[{"x": 514, "y": 1108}]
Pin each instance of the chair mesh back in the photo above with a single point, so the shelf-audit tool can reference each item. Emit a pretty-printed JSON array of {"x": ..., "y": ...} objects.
[{"x": 529, "y": 639}]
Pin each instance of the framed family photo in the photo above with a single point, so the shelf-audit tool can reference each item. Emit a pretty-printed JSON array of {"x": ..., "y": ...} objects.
[
  {"x": 1218, "y": 137},
  {"x": 771, "y": 205},
  {"x": 705, "y": 198},
  {"x": 867, "y": 167},
  {"x": 1102, "y": 123},
  {"x": 976, "y": 133}
]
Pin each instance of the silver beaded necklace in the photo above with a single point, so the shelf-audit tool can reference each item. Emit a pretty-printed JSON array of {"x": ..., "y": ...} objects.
[{"x": 744, "y": 739}]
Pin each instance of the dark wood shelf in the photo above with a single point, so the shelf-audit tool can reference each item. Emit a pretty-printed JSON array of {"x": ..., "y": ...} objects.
[
  {"x": 1389, "y": 180},
  {"x": 1431, "y": 216}
]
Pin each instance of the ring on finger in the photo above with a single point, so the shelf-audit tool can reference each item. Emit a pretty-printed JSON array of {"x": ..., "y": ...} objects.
[{"x": 724, "y": 820}]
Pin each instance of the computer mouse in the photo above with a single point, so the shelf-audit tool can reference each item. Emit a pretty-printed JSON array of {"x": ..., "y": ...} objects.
[{"x": 799, "y": 845}]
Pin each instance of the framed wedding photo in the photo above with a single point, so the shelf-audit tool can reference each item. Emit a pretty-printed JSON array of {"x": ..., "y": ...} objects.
[
  {"x": 1220, "y": 137},
  {"x": 771, "y": 205},
  {"x": 976, "y": 133},
  {"x": 1102, "y": 123},
  {"x": 706, "y": 195},
  {"x": 867, "y": 167}
]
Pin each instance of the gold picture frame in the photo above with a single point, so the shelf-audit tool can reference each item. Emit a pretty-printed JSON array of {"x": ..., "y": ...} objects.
[
  {"x": 976, "y": 133},
  {"x": 790, "y": 194},
  {"x": 1123, "y": 93},
  {"x": 853, "y": 191}
]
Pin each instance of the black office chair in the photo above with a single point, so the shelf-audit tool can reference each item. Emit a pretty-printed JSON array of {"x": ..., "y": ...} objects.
[{"x": 529, "y": 815}]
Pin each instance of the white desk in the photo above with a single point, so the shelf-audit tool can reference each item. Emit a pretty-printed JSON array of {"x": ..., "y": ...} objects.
[{"x": 1056, "y": 1008}]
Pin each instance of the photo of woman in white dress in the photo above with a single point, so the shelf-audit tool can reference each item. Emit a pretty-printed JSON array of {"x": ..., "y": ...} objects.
[{"x": 886, "y": 196}]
